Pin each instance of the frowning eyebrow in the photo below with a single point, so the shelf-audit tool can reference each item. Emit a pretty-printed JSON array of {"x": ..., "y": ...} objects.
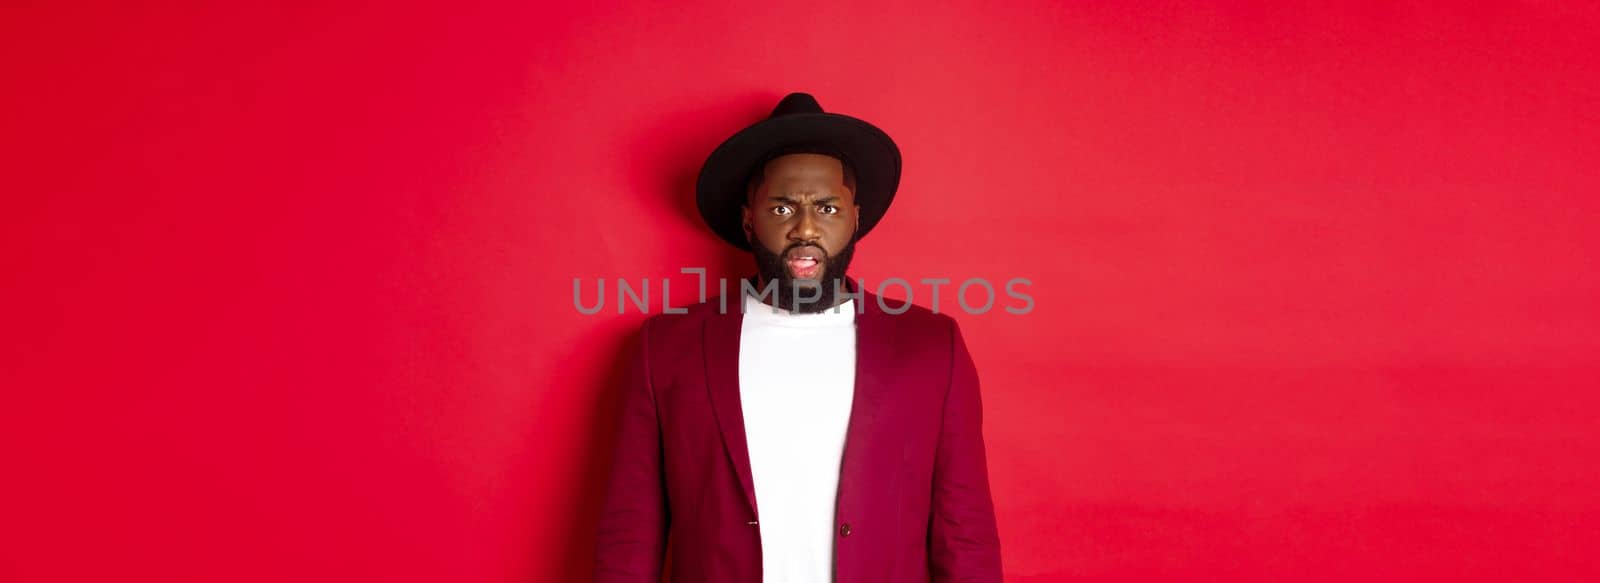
[{"x": 787, "y": 200}]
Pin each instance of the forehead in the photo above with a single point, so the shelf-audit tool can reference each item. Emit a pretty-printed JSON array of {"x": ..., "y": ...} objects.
[{"x": 802, "y": 172}]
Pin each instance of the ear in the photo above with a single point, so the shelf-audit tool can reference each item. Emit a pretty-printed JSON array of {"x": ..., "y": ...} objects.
[
  {"x": 744, "y": 215},
  {"x": 857, "y": 226}
]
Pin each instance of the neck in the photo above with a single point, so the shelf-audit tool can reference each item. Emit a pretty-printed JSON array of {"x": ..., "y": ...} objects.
[{"x": 848, "y": 288}]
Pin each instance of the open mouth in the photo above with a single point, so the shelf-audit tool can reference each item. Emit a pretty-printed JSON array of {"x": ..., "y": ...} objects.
[{"x": 804, "y": 262}]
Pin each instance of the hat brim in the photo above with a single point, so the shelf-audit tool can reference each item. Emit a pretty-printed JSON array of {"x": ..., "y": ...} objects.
[{"x": 720, "y": 190}]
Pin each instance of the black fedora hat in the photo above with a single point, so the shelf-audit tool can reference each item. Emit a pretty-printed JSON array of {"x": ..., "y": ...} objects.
[{"x": 797, "y": 124}]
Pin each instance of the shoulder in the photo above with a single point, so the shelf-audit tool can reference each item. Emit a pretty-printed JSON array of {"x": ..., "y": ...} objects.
[
  {"x": 908, "y": 317},
  {"x": 913, "y": 325},
  {"x": 668, "y": 328}
]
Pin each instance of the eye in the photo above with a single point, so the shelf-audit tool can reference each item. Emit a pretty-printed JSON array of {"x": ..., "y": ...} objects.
[
  {"x": 781, "y": 210},
  {"x": 828, "y": 209}
]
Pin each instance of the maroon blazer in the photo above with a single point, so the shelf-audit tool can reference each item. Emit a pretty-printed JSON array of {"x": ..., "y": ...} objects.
[{"x": 913, "y": 501}]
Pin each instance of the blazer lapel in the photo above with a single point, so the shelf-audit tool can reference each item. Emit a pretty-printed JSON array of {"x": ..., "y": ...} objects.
[
  {"x": 722, "y": 380},
  {"x": 873, "y": 377}
]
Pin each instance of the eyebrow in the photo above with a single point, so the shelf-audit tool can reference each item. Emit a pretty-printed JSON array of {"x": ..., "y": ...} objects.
[{"x": 785, "y": 199}]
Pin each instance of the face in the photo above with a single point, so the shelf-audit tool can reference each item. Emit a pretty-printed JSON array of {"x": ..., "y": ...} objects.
[{"x": 802, "y": 222}]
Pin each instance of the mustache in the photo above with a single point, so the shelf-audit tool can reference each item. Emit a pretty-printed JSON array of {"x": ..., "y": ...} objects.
[{"x": 818, "y": 246}]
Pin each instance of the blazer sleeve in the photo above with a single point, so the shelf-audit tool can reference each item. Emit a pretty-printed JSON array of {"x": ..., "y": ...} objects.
[
  {"x": 964, "y": 542},
  {"x": 631, "y": 540}
]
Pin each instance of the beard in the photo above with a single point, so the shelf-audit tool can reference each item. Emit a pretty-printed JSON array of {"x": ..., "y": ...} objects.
[{"x": 804, "y": 296}]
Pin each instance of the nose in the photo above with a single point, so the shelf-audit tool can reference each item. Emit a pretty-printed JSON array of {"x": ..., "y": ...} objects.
[{"x": 805, "y": 229}]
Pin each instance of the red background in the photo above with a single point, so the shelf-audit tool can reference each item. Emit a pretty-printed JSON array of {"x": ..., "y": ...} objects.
[{"x": 288, "y": 286}]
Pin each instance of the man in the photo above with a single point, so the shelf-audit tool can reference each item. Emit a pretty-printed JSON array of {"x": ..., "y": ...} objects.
[{"x": 801, "y": 433}]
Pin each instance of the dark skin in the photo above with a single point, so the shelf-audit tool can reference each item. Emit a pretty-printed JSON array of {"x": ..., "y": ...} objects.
[{"x": 803, "y": 207}]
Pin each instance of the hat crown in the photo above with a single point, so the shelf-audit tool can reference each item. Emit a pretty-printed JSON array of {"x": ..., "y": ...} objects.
[{"x": 794, "y": 103}]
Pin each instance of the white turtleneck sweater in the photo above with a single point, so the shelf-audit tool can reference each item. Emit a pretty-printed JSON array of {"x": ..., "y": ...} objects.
[{"x": 797, "y": 377}]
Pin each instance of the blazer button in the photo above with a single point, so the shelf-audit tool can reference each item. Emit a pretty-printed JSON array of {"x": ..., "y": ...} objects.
[{"x": 844, "y": 529}]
